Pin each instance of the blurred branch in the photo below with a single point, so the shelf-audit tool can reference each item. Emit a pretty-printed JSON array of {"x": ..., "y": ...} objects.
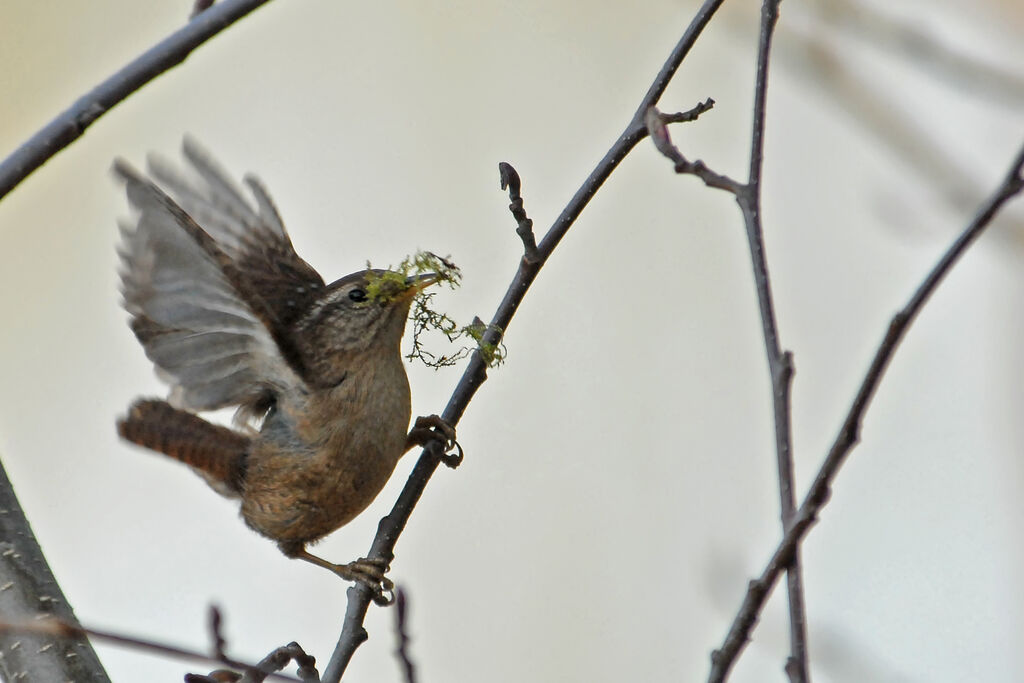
[
  {"x": 813, "y": 52},
  {"x": 28, "y": 589},
  {"x": 849, "y": 434},
  {"x": 860, "y": 98},
  {"x": 402, "y": 634},
  {"x": 71, "y": 124},
  {"x": 933, "y": 56},
  {"x": 61, "y": 630},
  {"x": 390, "y": 527},
  {"x": 509, "y": 179}
]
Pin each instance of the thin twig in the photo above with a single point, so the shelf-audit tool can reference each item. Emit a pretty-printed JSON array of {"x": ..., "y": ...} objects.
[
  {"x": 849, "y": 434},
  {"x": 654, "y": 122},
  {"x": 859, "y": 98},
  {"x": 390, "y": 527},
  {"x": 690, "y": 114},
  {"x": 219, "y": 641},
  {"x": 71, "y": 124},
  {"x": 278, "y": 659},
  {"x": 524, "y": 225}
]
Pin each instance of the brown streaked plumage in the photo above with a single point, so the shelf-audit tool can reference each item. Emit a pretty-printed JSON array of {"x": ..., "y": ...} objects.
[{"x": 230, "y": 315}]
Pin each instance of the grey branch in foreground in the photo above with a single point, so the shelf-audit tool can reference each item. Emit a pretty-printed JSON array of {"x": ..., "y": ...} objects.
[{"x": 28, "y": 590}]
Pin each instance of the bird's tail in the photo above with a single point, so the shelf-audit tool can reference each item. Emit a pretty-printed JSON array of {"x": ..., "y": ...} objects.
[{"x": 218, "y": 453}]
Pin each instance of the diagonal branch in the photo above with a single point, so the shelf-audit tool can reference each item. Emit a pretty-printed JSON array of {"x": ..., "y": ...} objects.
[
  {"x": 849, "y": 434},
  {"x": 390, "y": 527},
  {"x": 30, "y": 629},
  {"x": 913, "y": 41},
  {"x": 70, "y": 125},
  {"x": 28, "y": 590}
]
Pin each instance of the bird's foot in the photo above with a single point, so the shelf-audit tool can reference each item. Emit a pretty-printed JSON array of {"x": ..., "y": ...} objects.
[
  {"x": 370, "y": 572},
  {"x": 432, "y": 428}
]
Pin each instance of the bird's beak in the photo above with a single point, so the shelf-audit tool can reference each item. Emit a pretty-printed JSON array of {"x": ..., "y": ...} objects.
[{"x": 417, "y": 283}]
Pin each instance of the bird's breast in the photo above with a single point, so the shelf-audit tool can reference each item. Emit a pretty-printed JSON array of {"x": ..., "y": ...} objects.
[{"x": 326, "y": 457}]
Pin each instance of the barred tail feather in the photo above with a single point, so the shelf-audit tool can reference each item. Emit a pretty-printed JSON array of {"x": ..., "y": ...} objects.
[{"x": 218, "y": 453}]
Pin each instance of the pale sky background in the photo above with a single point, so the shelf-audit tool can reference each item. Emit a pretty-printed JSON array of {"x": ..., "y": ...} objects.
[{"x": 619, "y": 485}]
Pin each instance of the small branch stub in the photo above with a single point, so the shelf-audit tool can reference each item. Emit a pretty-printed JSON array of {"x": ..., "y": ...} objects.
[
  {"x": 690, "y": 114},
  {"x": 199, "y": 7},
  {"x": 657, "y": 128},
  {"x": 402, "y": 634},
  {"x": 219, "y": 642},
  {"x": 658, "y": 131},
  {"x": 510, "y": 181}
]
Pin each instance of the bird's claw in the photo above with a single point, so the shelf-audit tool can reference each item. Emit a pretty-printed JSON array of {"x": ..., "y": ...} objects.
[
  {"x": 433, "y": 428},
  {"x": 452, "y": 460},
  {"x": 371, "y": 573}
]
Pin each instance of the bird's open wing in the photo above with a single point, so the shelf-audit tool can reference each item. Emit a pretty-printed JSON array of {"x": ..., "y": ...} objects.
[{"x": 212, "y": 284}]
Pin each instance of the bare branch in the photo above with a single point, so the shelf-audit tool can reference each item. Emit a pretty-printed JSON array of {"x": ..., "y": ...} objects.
[
  {"x": 280, "y": 658},
  {"x": 200, "y": 6},
  {"x": 690, "y": 114},
  {"x": 510, "y": 181},
  {"x": 390, "y": 527},
  {"x": 817, "y": 497},
  {"x": 71, "y": 124},
  {"x": 780, "y": 363},
  {"x": 219, "y": 642},
  {"x": 654, "y": 122}
]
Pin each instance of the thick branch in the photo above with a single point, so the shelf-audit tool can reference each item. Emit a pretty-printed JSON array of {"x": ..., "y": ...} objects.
[
  {"x": 849, "y": 434},
  {"x": 70, "y": 125},
  {"x": 390, "y": 527},
  {"x": 28, "y": 590}
]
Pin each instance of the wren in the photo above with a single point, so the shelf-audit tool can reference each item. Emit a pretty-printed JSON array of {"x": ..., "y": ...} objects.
[{"x": 230, "y": 315}]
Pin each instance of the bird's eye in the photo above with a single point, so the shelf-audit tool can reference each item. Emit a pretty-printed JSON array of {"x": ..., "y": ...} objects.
[{"x": 357, "y": 294}]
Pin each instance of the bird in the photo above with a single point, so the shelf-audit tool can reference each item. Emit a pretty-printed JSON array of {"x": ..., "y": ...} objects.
[{"x": 231, "y": 316}]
